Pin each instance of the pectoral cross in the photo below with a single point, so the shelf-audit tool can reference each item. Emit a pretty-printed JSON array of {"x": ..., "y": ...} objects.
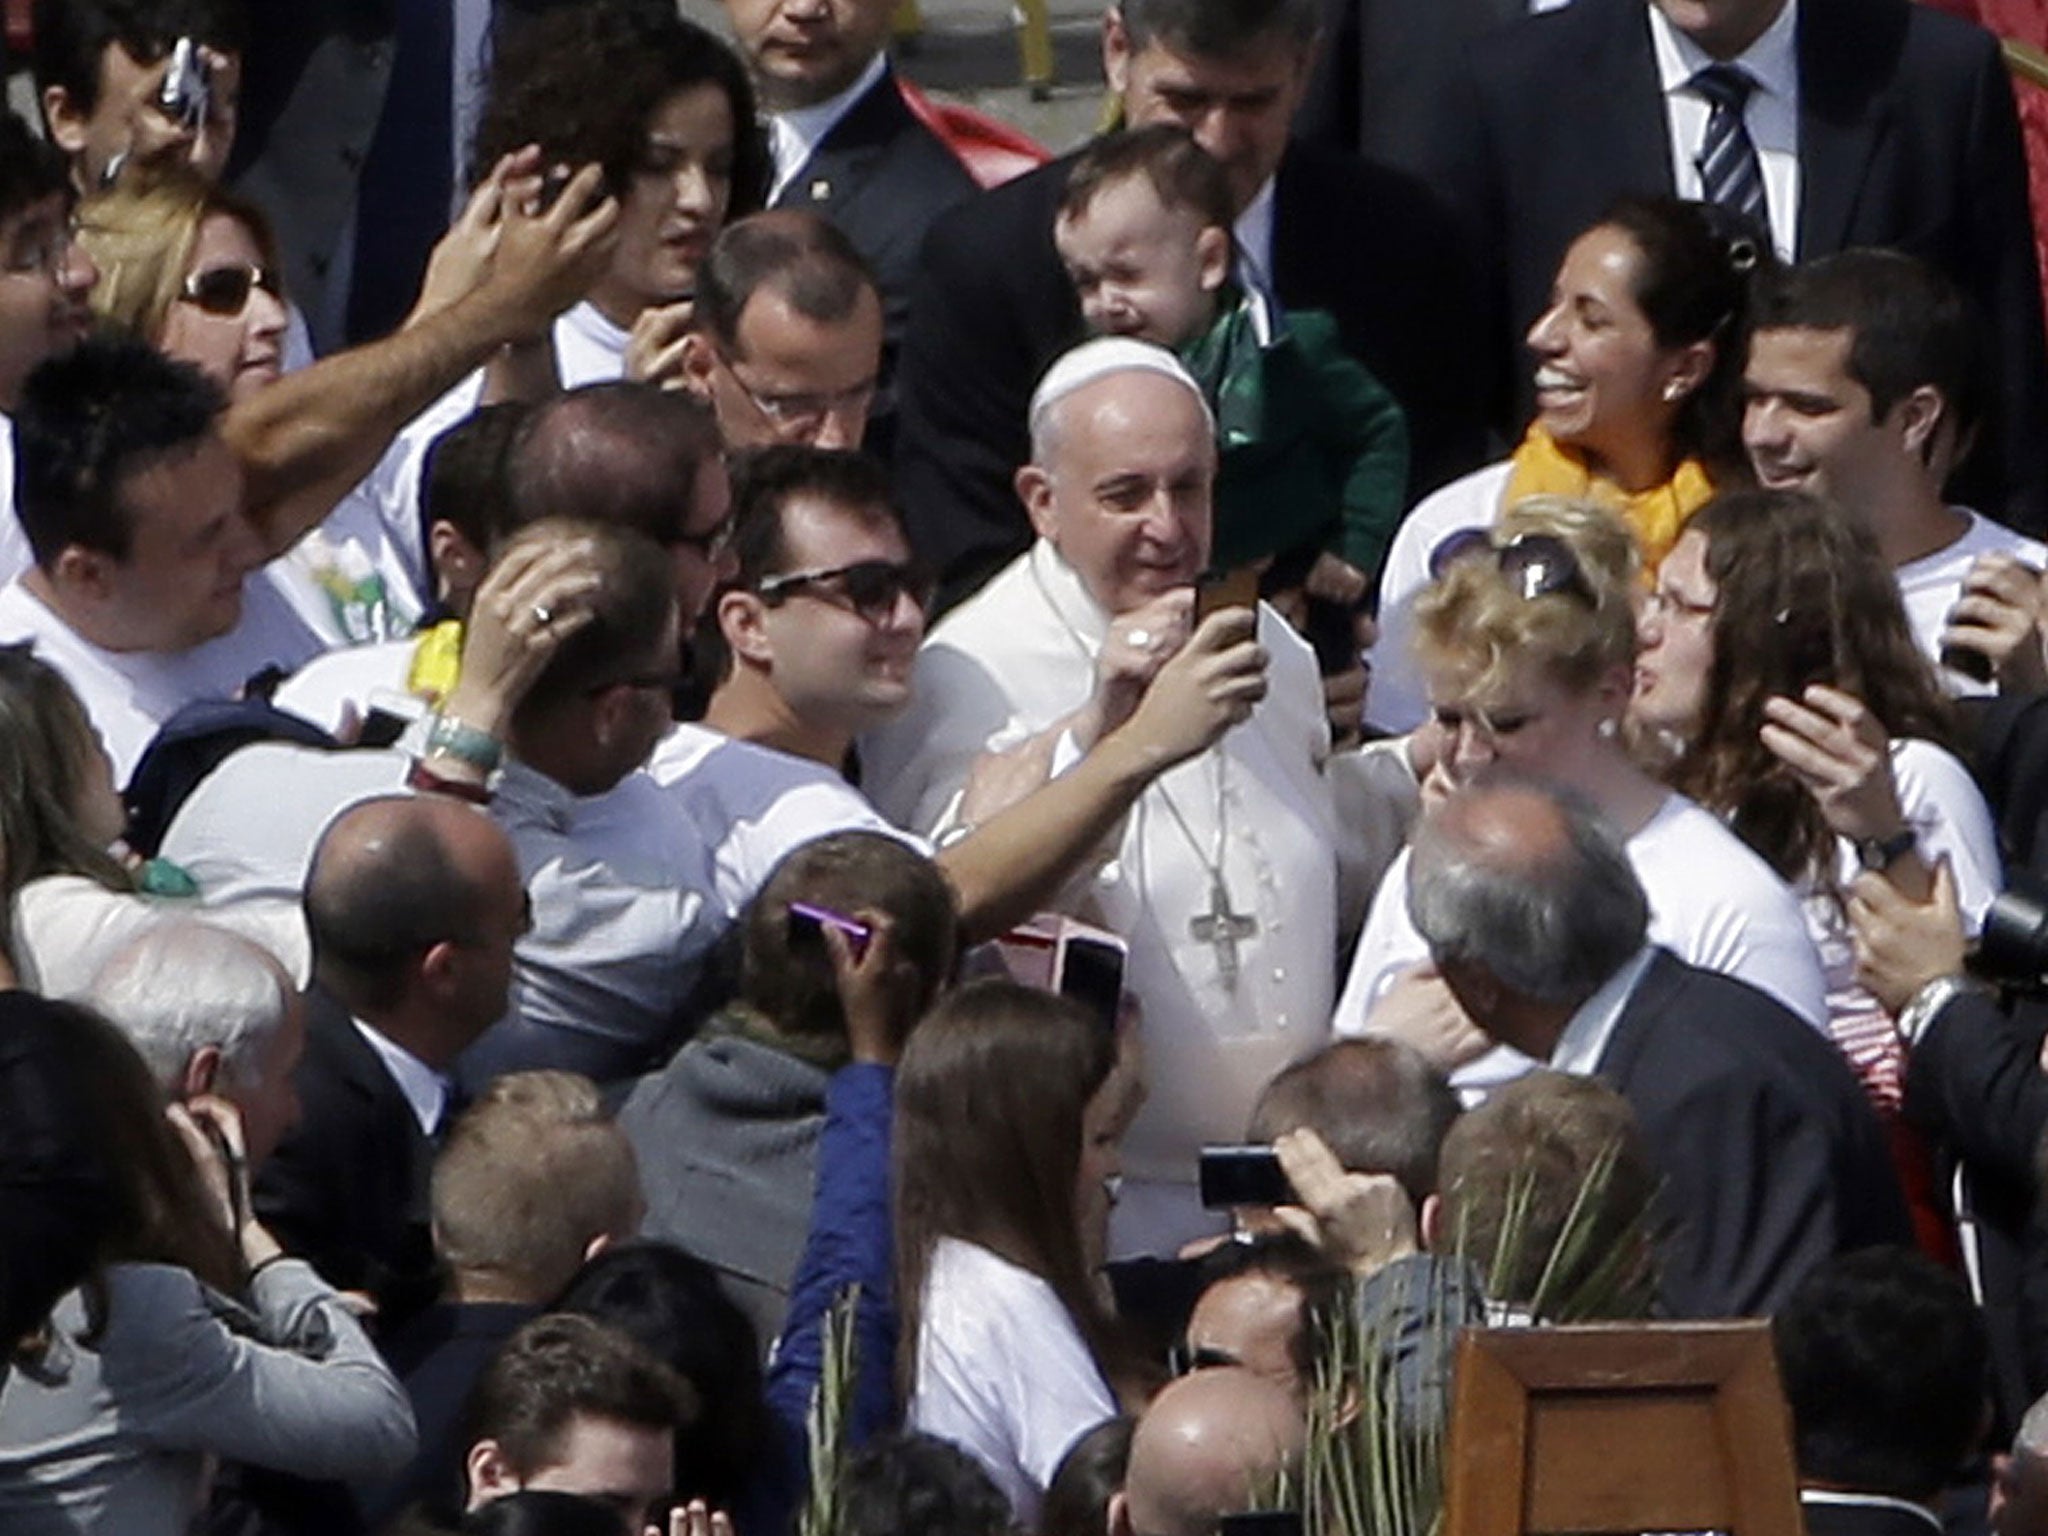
[{"x": 1222, "y": 929}]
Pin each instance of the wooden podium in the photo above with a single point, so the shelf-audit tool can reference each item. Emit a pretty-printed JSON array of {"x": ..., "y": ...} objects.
[{"x": 1620, "y": 1427}]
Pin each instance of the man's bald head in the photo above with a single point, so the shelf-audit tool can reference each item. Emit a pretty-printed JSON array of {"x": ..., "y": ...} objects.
[
  {"x": 620, "y": 453},
  {"x": 397, "y": 879},
  {"x": 1211, "y": 1445},
  {"x": 1526, "y": 883}
]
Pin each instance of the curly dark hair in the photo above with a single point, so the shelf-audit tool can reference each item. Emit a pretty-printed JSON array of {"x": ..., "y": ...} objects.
[
  {"x": 1802, "y": 595},
  {"x": 582, "y": 81}
]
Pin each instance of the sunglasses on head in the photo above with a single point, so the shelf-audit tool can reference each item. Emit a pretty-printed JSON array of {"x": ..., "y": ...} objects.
[
  {"x": 869, "y": 587},
  {"x": 1533, "y": 564},
  {"x": 225, "y": 290}
]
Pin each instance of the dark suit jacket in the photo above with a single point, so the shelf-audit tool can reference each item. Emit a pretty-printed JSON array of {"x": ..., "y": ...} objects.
[
  {"x": 1974, "y": 1085},
  {"x": 1861, "y": 1520},
  {"x": 991, "y": 307},
  {"x": 1772, "y": 1158},
  {"x": 347, "y": 1189},
  {"x": 1908, "y": 138},
  {"x": 1383, "y": 68},
  {"x": 882, "y": 177}
]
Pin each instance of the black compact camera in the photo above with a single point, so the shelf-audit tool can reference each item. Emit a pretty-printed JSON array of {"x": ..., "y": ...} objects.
[{"x": 2012, "y": 949}]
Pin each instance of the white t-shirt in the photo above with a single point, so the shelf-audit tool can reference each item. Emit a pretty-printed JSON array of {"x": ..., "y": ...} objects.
[
  {"x": 754, "y": 805},
  {"x": 1002, "y": 1372},
  {"x": 67, "y": 927},
  {"x": 1943, "y": 805},
  {"x": 129, "y": 694},
  {"x": 15, "y": 555},
  {"x": 356, "y": 677},
  {"x": 246, "y": 832},
  {"x": 589, "y": 349},
  {"x": 1398, "y": 701},
  {"x": 1713, "y": 903},
  {"x": 1931, "y": 585}
]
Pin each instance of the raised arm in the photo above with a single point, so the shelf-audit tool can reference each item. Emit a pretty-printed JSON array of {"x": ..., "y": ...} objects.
[{"x": 499, "y": 277}]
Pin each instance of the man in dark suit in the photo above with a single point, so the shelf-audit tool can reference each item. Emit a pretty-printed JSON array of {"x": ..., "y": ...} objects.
[
  {"x": 1868, "y": 122},
  {"x": 1974, "y": 1088},
  {"x": 992, "y": 306},
  {"x": 1772, "y": 1160},
  {"x": 413, "y": 905},
  {"x": 844, "y": 143}
]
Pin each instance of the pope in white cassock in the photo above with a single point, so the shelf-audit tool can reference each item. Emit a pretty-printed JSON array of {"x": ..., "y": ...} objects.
[{"x": 1224, "y": 881}]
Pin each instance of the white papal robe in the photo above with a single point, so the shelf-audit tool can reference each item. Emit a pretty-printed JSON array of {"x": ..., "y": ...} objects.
[{"x": 1016, "y": 658}]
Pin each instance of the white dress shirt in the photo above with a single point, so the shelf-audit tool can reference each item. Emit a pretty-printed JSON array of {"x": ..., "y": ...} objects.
[
  {"x": 794, "y": 136},
  {"x": 1584, "y": 1041},
  {"x": 425, "y": 1090},
  {"x": 1771, "y": 115},
  {"x": 1253, "y": 234}
]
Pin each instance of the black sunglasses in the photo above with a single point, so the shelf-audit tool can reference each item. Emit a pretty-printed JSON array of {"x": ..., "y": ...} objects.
[
  {"x": 869, "y": 587},
  {"x": 225, "y": 290},
  {"x": 1533, "y": 564}
]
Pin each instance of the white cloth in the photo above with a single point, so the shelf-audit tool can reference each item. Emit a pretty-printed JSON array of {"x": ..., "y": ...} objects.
[
  {"x": 753, "y": 805},
  {"x": 1586, "y": 1033},
  {"x": 355, "y": 678},
  {"x": 589, "y": 349},
  {"x": 247, "y": 831},
  {"x": 129, "y": 694},
  {"x": 1771, "y": 113},
  {"x": 347, "y": 578},
  {"x": 1002, "y": 1372},
  {"x": 1397, "y": 700},
  {"x": 66, "y": 927},
  {"x": 794, "y": 136},
  {"x": 425, "y": 1090},
  {"x": 620, "y": 885},
  {"x": 1713, "y": 903},
  {"x": 15, "y": 555},
  {"x": 1931, "y": 585},
  {"x": 1943, "y": 805},
  {"x": 1019, "y": 656}
]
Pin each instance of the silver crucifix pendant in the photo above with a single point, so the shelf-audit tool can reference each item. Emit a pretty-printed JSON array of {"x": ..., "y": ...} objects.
[{"x": 1223, "y": 930}]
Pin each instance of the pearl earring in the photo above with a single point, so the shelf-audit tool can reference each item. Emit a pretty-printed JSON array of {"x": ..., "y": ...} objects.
[
  {"x": 1607, "y": 729},
  {"x": 1672, "y": 390}
]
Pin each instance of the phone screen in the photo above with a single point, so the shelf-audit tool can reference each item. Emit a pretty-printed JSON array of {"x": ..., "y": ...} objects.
[
  {"x": 1242, "y": 1175},
  {"x": 1091, "y": 972}
]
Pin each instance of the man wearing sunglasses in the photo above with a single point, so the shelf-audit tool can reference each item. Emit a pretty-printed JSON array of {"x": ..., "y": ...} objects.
[
  {"x": 1223, "y": 878},
  {"x": 820, "y": 629},
  {"x": 786, "y": 339}
]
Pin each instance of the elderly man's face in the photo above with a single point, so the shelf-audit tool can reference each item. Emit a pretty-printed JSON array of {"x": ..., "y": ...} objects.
[{"x": 1124, "y": 489}]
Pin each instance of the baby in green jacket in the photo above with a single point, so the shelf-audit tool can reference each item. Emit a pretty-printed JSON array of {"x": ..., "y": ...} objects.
[{"x": 1313, "y": 451}]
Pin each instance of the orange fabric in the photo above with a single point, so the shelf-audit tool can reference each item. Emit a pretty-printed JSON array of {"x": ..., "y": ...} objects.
[{"x": 1544, "y": 467}]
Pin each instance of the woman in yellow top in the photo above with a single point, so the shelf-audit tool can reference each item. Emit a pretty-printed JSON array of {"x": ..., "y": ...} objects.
[{"x": 1638, "y": 365}]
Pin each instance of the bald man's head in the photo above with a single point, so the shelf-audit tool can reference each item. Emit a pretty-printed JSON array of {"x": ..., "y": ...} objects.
[
  {"x": 413, "y": 904},
  {"x": 1212, "y": 1444}
]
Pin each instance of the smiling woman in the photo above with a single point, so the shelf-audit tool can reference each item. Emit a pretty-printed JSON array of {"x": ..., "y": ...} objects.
[{"x": 1636, "y": 407}]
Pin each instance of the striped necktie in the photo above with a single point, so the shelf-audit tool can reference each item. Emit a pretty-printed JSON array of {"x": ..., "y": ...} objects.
[{"x": 1730, "y": 174}]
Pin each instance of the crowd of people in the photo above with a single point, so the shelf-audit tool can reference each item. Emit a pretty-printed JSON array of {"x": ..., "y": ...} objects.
[{"x": 706, "y": 832}]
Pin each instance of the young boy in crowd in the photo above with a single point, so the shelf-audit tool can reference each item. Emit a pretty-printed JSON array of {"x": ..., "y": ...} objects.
[{"x": 1313, "y": 450}]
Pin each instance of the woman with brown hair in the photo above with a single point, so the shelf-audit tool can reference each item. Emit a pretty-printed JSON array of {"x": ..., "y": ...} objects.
[
  {"x": 193, "y": 1339},
  {"x": 1009, "y": 1106},
  {"x": 1781, "y": 683}
]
